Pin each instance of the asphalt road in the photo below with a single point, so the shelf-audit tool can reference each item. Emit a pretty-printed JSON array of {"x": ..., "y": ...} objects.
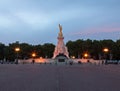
[{"x": 46, "y": 77}]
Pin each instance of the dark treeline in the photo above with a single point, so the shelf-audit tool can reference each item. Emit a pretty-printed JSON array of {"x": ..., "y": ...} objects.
[
  {"x": 76, "y": 48},
  {"x": 26, "y": 50},
  {"x": 94, "y": 48}
]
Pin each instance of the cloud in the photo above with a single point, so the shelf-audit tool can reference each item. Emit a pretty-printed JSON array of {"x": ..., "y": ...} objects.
[
  {"x": 35, "y": 20},
  {"x": 95, "y": 31},
  {"x": 96, "y": 34},
  {"x": 5, "y": 21},
  {"x": 38, "y": 18}
]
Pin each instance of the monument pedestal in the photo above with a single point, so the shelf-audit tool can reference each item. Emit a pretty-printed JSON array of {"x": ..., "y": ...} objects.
[{"x": 61, "y": 59}]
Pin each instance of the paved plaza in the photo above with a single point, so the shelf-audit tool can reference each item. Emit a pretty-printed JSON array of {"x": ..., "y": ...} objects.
[{"x": 51, "y": 77}]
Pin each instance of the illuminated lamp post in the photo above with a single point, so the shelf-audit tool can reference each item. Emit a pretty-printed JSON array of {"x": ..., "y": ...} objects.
[
  {"x": 73, "y": 57},
  {"x": 17, "y": 49},
  {"x": 33, "y": 55},
  {"x": 105, "y": 50},
  {"x": 86, "y": 55}
]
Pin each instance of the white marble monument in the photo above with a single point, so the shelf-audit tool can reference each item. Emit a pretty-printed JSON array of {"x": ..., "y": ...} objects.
[{"x": 60, "y": 48}]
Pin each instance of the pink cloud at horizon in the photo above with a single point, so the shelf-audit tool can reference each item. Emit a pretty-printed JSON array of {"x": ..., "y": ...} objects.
[{"x": 97, "y": 31}]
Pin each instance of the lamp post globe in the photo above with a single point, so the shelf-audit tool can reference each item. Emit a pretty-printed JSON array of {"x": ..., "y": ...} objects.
[
  {"x": 106, "y": 50},
  {"x": 86, "y": 55}
]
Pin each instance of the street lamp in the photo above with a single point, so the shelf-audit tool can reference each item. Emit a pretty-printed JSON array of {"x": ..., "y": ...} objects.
[
  {"x": 17, "y": 49},
  {"x": 105, "y": 50},
  {"x": 33, "y": 55},
  {"x": 73, "y": 57},
  {"x": 85, "y": 55}
]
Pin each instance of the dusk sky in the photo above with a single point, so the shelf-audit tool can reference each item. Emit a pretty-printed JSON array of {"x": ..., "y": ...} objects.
[{"x": 36, "y": 21}]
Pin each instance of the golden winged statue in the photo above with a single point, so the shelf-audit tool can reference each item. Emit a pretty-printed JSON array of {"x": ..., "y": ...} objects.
[{"x": 60, "y": 33}]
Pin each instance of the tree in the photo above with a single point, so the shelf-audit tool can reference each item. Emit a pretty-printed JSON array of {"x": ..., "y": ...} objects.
[
  {"x": 48, "y": 50},
  {"x": 25, "y": 51},
  {"x": 75, "y": 48},
  {"x": 96, "y": 50},
  {"x": 72, "y": 48},
  {"x": 2, "y": 47},
  {"x": 117, "y": 50}
]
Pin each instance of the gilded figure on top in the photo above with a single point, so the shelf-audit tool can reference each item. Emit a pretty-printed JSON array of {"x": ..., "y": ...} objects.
[{"x": 60, "y": 33}]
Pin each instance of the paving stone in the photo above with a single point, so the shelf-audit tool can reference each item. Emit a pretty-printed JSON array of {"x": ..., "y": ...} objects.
[{"x": 36, "y": 77}]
